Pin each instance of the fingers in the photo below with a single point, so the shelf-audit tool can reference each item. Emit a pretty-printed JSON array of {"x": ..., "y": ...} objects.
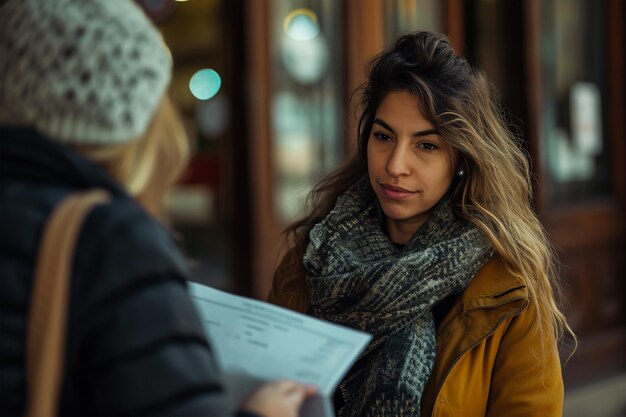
[
  {"x": 278, "y": 398},
  {"x": 285, "y": 386},
  {"x": 310, "y": 390},
  {"x": 293, "y": 391}
]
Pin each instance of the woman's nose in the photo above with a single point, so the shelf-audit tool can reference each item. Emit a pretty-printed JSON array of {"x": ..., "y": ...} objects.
[{"x": 398, "y": 162}]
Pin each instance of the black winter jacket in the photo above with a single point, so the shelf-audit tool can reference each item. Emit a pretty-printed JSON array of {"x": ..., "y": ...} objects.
[{"x": 135, "y": 344}]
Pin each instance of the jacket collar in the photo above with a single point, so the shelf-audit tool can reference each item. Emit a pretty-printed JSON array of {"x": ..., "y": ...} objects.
[
  {"x": 493, "y": 293},
  {"x": 493, "y": 285},
  {"x": 28, "y": 156}
]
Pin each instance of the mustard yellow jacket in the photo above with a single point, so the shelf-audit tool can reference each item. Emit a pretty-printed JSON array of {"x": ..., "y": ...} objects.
[{"x": 490, "y": 359}]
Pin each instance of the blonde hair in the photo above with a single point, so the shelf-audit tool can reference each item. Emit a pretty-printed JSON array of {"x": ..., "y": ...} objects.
[
  {"x": 147, "y": 166},
  {"x": 496, "y": 191}
]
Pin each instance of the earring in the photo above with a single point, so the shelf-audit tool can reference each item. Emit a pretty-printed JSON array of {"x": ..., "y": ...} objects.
[{"x": 460, "y": 173}]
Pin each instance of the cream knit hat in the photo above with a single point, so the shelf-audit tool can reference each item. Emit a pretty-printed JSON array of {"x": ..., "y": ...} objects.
[{"x": 81, "y": 71}]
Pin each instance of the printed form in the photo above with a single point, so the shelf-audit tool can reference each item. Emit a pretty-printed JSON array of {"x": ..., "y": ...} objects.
[{"x": 254, "y": 341}]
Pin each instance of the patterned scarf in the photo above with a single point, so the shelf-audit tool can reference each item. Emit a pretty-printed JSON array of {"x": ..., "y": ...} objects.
[{"x": 359, "y": 278}]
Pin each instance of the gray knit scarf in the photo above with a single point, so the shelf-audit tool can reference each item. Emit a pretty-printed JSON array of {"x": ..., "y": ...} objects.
[{"x": 359, "y": 278}]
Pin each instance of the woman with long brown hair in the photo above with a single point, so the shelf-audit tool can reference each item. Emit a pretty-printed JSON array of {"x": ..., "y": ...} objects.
[{"x": 427, "y": 239}]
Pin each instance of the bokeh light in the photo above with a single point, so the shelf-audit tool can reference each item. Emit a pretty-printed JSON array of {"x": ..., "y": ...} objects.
[
  {"x": 205, "y": 83},
  {"x": 301, "y": 25}
]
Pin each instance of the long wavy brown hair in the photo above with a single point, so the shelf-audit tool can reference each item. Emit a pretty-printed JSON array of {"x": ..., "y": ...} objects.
[{"x": 495, "y": 193}]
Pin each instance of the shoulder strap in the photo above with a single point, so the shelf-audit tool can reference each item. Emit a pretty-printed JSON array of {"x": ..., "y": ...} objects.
[{"x": 45, "y": 347}]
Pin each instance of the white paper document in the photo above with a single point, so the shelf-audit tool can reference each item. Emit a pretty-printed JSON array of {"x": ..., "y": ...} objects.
[{"x": 254, "y": 341}]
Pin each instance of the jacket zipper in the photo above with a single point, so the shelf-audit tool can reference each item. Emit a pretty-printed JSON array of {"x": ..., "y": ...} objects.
[{"x": 478, "y": 342}]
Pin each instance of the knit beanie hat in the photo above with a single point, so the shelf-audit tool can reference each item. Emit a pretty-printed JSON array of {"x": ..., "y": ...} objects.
[{"x": 81, "y": 71}]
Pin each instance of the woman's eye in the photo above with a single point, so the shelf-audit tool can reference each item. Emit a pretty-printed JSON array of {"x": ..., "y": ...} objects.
[
  {"x": 428, "y": 146},
  {"x": 382, "y": 137}
]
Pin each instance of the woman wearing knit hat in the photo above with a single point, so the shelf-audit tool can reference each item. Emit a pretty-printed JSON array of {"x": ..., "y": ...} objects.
[{"x": 83, "y": 106}]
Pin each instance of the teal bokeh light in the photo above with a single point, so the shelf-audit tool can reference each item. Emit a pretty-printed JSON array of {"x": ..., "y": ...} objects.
[{"x": 205, "y": 83}]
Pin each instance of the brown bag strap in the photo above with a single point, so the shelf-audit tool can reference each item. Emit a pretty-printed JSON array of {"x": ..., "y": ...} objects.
[{"x": 45, "y": 347}]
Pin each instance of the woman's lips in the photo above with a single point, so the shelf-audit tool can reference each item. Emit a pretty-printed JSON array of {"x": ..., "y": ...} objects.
[{"x": 395, "y": 193}]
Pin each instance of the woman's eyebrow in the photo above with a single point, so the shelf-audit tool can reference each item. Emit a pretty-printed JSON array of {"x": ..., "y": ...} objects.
[
  {"x": 426, "y": 132},
  {"x": 416, "y": 134}
]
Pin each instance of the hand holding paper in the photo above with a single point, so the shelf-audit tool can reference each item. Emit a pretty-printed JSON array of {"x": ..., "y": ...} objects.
[
  {"x": 254, "y": 342},
  {"x": 278, "y": 398}
]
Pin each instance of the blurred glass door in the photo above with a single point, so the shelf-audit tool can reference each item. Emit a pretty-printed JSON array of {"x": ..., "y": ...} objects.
[
  {"x": 583, "y": 188},
  {"x": 559, "y": 67},
  {"x": 204, "y": 37},
  {"x": 306, "y": 103},
  {"x": 577, "y": 148},
  {"x": 409, "y": 15}
]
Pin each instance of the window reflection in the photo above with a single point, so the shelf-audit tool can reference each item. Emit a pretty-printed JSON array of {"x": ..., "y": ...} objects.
[
  {"x": 307, "y": 99},
  {"x": 574, "y": 58},
  {"x": 409, "y": 15}
]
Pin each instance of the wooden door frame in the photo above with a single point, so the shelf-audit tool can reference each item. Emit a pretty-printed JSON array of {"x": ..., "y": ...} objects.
[
  {"x": 615, "y": 74},
  {"x": 364, "y": 38},
  {"x": 265, "y": 230}
]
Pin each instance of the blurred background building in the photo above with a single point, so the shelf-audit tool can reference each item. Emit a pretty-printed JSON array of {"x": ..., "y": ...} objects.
[{"x": 266, "y": 90}]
